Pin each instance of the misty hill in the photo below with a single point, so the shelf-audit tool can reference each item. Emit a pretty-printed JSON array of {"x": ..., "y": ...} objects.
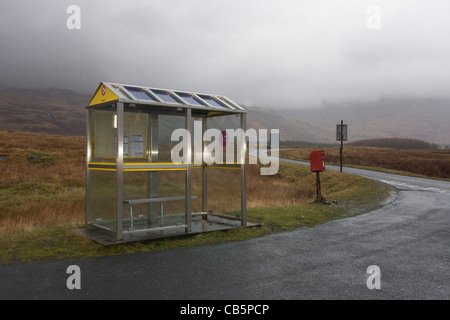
[
  {"x": 291, "y": 129},
  {"x": 53, "y": 111},
  {"x": 62, "y": 112},
  {"x": 424, "y": 119}
]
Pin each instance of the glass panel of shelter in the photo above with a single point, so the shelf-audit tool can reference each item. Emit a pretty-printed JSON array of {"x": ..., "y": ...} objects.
[
  {"x": 101, "y": 173},
  {"x": 223, "y": 187},
  {"x": 149, "y": 174}
]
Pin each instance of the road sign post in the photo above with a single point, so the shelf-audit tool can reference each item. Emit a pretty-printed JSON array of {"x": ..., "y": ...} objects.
[
  {"x": 341, "y": 135},
  {"x": 342, "y": 143}
]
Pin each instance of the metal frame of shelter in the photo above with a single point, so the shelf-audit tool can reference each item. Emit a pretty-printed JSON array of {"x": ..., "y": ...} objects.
[{"x": 106, "y": 195}]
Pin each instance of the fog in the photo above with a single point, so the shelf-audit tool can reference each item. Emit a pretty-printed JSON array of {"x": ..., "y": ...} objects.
[{"x": 293, "y": 54}]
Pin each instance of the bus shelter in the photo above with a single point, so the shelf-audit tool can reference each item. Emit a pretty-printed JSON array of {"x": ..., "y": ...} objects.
[{"x": 149, "y": 169}]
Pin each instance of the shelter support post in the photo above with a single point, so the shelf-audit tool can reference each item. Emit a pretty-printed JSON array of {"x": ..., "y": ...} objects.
[
  {"x": 153, "y": 134},
  {"x": 119, "y": 170},
  {"x": 243, "y": 172},
  {"x": 188, "y": 171},
  {"x": 88, "y": 173},
  {"x": 204, "y": 170}
]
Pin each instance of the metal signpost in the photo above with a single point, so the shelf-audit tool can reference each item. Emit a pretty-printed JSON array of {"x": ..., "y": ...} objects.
[{"x": 341, "y": 135}]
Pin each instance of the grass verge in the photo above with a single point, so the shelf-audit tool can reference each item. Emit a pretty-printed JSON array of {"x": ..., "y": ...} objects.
[
  {"x": 347, "y": 196},
  {"x": 431, "y": 164}
]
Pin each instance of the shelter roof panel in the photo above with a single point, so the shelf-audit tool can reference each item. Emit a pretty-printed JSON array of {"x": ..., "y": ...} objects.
[{"x": 107, "y": 92}]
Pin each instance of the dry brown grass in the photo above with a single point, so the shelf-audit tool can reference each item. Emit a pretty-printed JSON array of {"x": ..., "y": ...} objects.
[
  {"x": 33, "y": 216},
  {"x": 284, "y": 188},
  {"x": 51, "y": 190},
  {"x": 43, "y": 193},
  {"x": 430, "y": 163}
]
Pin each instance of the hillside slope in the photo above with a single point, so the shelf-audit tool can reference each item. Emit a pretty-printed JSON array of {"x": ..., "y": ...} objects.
[
  {"x": 425, "y": 119},
  {"x": 290, "y": 128},
  {"x": 62, "y": 112},
  {"x": 52, "y": 111}
]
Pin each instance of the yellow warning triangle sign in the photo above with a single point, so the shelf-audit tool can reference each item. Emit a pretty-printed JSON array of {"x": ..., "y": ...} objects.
[{"x": 103, "y": 94}]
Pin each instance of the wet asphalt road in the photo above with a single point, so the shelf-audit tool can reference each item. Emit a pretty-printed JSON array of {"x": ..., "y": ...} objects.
[{"x": 408, "y": 239}]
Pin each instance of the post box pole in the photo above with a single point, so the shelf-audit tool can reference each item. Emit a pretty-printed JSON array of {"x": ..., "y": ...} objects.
[
  {"x": 318, "y": 191},
  {"x": 342, "y": 143}
]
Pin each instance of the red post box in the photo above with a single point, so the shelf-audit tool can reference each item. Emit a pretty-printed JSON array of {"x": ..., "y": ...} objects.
[{"x": 317, "y": 161}]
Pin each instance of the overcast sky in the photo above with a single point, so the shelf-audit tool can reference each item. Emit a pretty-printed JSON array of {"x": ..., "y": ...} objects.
[{"x": 268, "y": 53}]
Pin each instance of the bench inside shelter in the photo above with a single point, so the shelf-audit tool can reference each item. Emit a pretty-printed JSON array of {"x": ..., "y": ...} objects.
[{"x": 152, "y": 200}]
